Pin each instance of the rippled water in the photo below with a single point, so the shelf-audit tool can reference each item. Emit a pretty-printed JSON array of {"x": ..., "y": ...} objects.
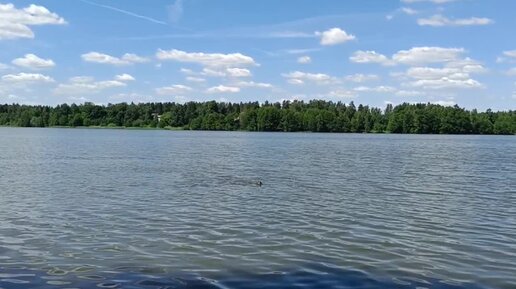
[{"x": 160, "y": 209}]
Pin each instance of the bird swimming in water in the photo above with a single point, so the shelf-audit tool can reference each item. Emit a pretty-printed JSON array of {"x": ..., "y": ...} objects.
[{"x": 259, "y": 183}]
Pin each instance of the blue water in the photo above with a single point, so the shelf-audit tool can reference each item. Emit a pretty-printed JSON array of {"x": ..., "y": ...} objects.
[{"x": 158, "y": 209}]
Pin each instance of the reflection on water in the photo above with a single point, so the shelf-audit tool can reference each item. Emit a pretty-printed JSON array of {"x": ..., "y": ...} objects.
[{"x": 158, "y": 209}]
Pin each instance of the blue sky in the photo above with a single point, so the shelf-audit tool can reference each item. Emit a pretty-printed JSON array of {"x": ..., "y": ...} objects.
[{"x": 367, "y": 51}]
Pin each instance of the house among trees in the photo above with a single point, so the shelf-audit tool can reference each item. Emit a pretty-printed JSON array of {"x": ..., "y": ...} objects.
[{"x": 156, "y": 116}]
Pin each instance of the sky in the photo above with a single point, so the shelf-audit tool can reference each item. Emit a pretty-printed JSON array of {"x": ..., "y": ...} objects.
[{"x": 372, "y": 52}]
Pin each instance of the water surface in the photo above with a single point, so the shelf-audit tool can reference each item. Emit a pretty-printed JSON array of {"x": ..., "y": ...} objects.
[{"x": 159, "y": 209}]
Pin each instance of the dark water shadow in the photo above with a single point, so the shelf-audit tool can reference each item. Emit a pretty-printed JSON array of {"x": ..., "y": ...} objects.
[{"x": 321, "y": 277}]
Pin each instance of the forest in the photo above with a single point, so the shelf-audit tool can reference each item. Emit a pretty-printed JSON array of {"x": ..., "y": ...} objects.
[{"x": 286, "y": 116}]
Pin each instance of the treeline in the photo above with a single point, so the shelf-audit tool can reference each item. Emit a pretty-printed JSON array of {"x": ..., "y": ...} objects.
[{"x": 288, "y": 116}]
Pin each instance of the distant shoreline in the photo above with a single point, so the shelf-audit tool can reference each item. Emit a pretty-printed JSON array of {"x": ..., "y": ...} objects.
[
  {"x": 286, "y": 116},
  {"x": 200, "y": 130}
]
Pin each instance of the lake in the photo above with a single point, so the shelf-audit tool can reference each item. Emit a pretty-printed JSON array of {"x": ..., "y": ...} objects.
[{"x": 85, "y": 208}]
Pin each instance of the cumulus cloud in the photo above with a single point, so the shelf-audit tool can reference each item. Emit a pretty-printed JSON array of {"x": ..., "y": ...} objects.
[
  {"x": 232, "y": 72},
  {"x": 207, "y": 59},
  {"x": 456, "y": 74},
  {"x": 124, "y": 77},
  {"x": 304, "y": 60},
  {"x": 370, "y": 57},
  {"x": 238, "y": 72},
  {"x": 436, "y": 73},
  {"x": 440, "y": 21},
  {"x": 334, "y": 36},
  {"x": 15, "y": 23},
  {"x": 508, "y": 55},
  {"x": 446, "y": 83},
  {"x": 32, "y": 61},
  {"x": 82, "y": 85},
  {"x": 467, "y": 65},
  {"x": 422, "y": 55},
  {"x": 223, "y": 89},
  {"x": 176, "y": 89},
  {"x": 298, "y": 77},
  {"x": 253, "y": 84},
  {"x": 126, "y": 59},
  {"x": 375, "y": 89},
  {"x": 26, "y": 78}
]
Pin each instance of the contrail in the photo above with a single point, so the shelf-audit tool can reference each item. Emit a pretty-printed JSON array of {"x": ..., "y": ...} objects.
[{"x": 124, "y": 12}]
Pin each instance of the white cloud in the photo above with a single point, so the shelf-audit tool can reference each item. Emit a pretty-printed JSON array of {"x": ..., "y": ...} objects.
[
  {"x": 133, "y": 58},
  {"x": 375, "y": 89},
  {"x": 298, "y": 77},
  {"x": 422, "y": 55},
  {"x": 223, "y": 89},
  {"x": 409, "y": 93},
  {"x": 126, "y": 59},
  {"x": 446, "y": 83},
  {"x": 232, "y": 72},
  {"x": 124, "y": 77},
  {"x": 413, "y": 56},
  {"x": 510, "y": 53},
  {"x": 300, "y": 50},
  {"x": 444, "y": 102},
  {"x": 342, "y": 93},
  {"x": 187, "y": 71},
  {"x": 82, "y": 79},
  {"x": 173, "y": 89},
  {"x": 207, "y": 59},
  {"x": 132, "y": 97},
  {"x": 32, "y": 61},
  {"x": 195, "y": 79},
  {"x": 304, "y": 60},
  {"x": 467, "y": 65},
  {"x": 253, "y": 84},
  {"x": 26, "y": 78},
  {"x": 238, "y": 72},
  {"x": 213, "y": 72},
  {"x": 409, "y": 11},
  {"x": 295, "y": 81},
  {"x": 455, "y": 74},
  {"x": 359, "y": 77},
  {"x": 370, "y": 57},
  {"x": 436, "y": 73},
  {"x": 440, "y": 21},
  {"x": 334, "y": 36},
  {"x": 82, "y": 85},
  {"x": 15, "y": 23}
]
